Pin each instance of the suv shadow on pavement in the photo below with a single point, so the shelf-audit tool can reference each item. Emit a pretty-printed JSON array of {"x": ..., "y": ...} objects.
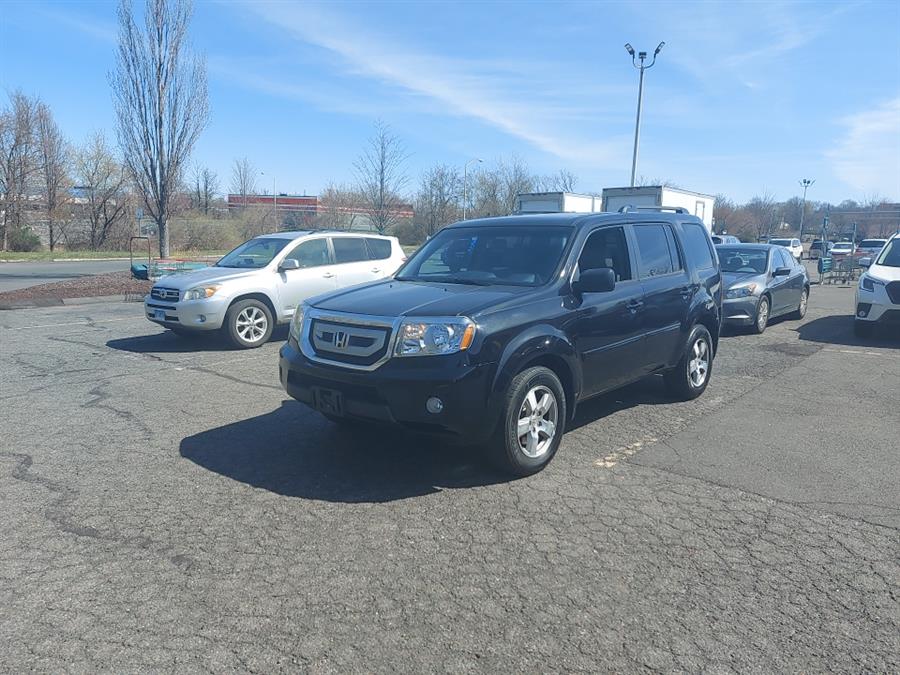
[
  {"x": 166, "y": 342},
  {"x": 294, "y": 452},
  {"x": 838, "y": 330},
  {"x": 649, "y": 391}
]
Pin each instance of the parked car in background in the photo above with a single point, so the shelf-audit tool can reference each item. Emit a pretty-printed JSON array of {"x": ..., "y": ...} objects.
[
  {"x": 870, "y": 247},
  {"x": 762, "y": 281},
  {"x": 496, "y": 329},
  {"x": 818, "y": 247},
  {"x": 878, "y": 291},
  {"x": 725, "y": 239},
  {"x": 792, "y": 245},
  {"x": 843, "y": 248},
  {"x": 261, "y": 282}
]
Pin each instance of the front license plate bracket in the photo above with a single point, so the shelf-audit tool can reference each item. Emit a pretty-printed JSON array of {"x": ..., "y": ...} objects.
[{"x": 328, "y": 401}]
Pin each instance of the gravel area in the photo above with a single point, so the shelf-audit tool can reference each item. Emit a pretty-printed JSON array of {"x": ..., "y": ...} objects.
[{"x": 113, "y": 283}]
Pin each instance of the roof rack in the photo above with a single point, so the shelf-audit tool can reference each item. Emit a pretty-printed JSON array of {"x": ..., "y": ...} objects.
[{"x": 674, "y": 209}]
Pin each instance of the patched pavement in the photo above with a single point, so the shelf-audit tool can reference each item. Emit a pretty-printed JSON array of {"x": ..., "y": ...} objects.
[{"x": 166, "y": 507}]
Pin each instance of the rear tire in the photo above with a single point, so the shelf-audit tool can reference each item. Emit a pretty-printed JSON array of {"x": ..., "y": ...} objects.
[
  {"x": 249, "y": 324},
  {"x": 533, "y": 423},
  {"x": 800, "y": 312},
  {"x": 761, "y": 320},
  {"x": 690, "y": 377}
]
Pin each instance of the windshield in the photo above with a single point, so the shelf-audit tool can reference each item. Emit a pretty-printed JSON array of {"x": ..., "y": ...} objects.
[
  {"x": 516, "y": 256},
  {"x": 743, "y": 261},
  {"x": 872, "y": 243},
  {"x": 781, "y": 242},
  {"x": 890, "y": 256},
  {"x": 254, "y": 254}
]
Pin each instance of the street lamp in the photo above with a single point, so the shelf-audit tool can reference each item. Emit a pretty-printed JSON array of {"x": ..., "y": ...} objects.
[
  {"x": 806, "y": 182},
  {"x": 466, "y": 183},
  {"x": 640, "y": 56},
  {"x": 274, "y": 197}
]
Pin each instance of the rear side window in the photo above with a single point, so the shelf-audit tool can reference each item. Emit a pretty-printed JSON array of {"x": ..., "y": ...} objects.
[
  {"x": 349, "y": 249},
  {"x": 655, "y": 250},
  {"x": 379, "y": 249},
  {"x": 696, "y": 246}
]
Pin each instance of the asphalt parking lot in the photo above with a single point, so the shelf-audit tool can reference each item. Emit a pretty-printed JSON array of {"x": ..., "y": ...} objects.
[{"x": 166, "y": 507}]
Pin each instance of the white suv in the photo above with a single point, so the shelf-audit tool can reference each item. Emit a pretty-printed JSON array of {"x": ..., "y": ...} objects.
[
  {"x": 792, "y": 245},
  {"x": 878, "y": 292},
  {"x": 261, "y": 282}
]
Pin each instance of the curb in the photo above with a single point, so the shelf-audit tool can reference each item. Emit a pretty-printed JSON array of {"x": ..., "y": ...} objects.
[{"x": 61, "y": 302}]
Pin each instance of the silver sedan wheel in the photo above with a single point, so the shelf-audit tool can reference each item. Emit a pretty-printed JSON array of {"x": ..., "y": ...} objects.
[
  {"x": 536, "y": 427},
  {"x": 762, "y": 314},
  {"x": 698, "y": 366},
  {"x": 804, "y": 298},
  {"x": 251, "y": 324}
]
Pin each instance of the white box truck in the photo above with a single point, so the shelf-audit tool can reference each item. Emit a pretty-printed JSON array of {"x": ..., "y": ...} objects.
[
  {"x": 557, "y": 202},
  {"x": 695, "y": 203}
]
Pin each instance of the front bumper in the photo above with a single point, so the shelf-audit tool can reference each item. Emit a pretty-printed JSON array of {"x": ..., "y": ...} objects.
[
  {"x": 740, "y": 311},
  {"x": 208, "y": 314},
  {"x": 396, "y": 392},
  {"x": 876, "y": 307}
]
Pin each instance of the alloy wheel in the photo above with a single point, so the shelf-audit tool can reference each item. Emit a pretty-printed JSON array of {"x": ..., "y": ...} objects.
[
  {"x": 536, "y": 426},
  {"x": 251, "y": 324},
  {"x": 698, "y": 366},
  {"x": 762, "y": 314}
]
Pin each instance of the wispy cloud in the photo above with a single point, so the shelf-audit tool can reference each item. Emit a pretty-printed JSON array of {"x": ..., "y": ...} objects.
[
  {"x": 100, "y": 30},
  {"x": 492, "y": 92},
  {"x": 867, "y": 157}
]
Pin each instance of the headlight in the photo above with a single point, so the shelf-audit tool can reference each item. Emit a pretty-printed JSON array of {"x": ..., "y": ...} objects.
[
  {"x": 201, "y": 292},
  {"x": 297, "y": 323},
  {"x": 868, "y": 283},
  {"x": 740, "y": 292},
  {"x": 436, "y": 336}
]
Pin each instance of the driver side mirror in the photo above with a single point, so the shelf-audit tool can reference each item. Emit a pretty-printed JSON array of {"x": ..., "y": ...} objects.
[
  {"x": 781, "y": 272},
  {"x": 288, "y": 264},
  {"x": 599, "y": 280}
]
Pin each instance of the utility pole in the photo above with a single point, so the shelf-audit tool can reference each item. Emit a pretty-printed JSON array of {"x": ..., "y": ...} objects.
[
  {"x": 641, "y": 56},
  {"x": 806, "y": 182},
  {"x": 466, "y": 184}
]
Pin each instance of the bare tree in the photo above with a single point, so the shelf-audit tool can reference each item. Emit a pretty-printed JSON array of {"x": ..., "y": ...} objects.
[
  {"x": 515, "y": 179},
  {"x": 438, "y": 197},
  {"x": 161, "y": 102},
  {"x": 763, "y": 210},
  {"x": 561, "y": 181},
  {"x": 243, "y": 179},
  {"x": 18, "y": 159},
  {"x": 102, "y": 181},
  {"x": 206, "y": 186},
  {"x": 340, "y": 207},
  {"x": 381, "y": 177},
  {"x": 53, "y": 160}
]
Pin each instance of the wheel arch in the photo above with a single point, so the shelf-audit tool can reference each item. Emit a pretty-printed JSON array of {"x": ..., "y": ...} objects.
[{"x": 262, "y": 297}]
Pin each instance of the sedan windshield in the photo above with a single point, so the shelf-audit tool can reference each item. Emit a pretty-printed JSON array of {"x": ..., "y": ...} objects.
[
  {"x": 486, "y": 256},
  {"x": 872, "y": 243},
  {"x": 890, "y": 256},
  {"x": 254, "y": 254},
  {"x": 781, "y": 242},
  {"x": 743, "y": 261}
]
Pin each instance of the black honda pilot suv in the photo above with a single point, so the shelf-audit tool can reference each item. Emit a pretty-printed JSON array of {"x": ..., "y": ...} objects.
[{"x": 496, "y": 329}]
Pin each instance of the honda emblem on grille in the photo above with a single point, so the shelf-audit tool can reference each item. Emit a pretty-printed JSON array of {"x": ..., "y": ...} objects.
[{"x": 340, "y": 339}]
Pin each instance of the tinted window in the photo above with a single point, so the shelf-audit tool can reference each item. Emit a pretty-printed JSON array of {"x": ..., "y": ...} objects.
[
  {"x": 379, "y": 249},
  {"x": 349, "y": 249},
  {"x": 785, "y": 259},
  {"x": 654, "y": 252},
  {"x": 697, "y": 246},
  {"x": 890, "y": 255},
  {"x": 606, "y": 248},
  {"x": 311, "y": 253},
  {"x": 254, "y": 254},
  {"x": 742, "y": 260}
]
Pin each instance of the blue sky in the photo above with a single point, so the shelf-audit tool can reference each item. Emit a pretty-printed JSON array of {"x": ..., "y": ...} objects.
[{"x": 746, "y": 98}]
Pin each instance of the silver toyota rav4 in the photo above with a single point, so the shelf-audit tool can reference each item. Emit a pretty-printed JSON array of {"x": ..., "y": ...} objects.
[{"x": 261, "y": 282}]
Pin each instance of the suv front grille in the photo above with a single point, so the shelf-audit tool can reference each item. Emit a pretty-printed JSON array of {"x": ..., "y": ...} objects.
[
  {"x": 893, "y": 291},
  {"x": 349, "y": 343},
  {"x": 164, "y": 294}
]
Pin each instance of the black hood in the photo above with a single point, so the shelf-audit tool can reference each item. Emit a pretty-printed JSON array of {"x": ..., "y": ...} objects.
[{"x": 414, "y": 298}]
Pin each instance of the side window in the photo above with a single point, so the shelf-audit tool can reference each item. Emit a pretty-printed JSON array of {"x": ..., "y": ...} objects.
[
  {"x": 606, "y": 248},
  {"x": 696, "y": 246},
  {"x": 787, "y": 258},
  {"x": 673, "y": 249},
  {"x": 311, "y": 253},
  {"x": 379, "y": 249},
  {"x": 654, "y": 254},
  {"x": 349, "y": 249}
]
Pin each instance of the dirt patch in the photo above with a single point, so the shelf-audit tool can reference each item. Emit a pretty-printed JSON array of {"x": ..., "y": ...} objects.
[{"x": 113, "y": 283}]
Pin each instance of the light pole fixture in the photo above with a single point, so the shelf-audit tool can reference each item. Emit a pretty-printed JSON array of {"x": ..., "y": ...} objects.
[
  {"x": 806, "y": 182},
  {"x": 466, "y": 183},
  {"x": 640, "y": 56}
]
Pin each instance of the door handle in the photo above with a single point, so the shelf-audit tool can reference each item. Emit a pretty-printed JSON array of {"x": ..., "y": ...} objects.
[{"x": 327, "y": 275}]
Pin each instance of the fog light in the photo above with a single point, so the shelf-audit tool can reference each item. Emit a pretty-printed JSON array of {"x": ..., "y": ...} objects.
[
  {"x": 434, "y": 405},
  {"x": 203, "y": 318},
  {"x": 862, "y": 309}
]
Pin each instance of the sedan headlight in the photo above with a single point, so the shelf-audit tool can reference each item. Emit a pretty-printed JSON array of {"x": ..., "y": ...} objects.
[
  {"x": 868, "y": 283},
  {"x": 297, "y": 323},
  {"x": 740, "y": 292},
  {"x": 434, "y": 336},
  {"x": 201, "y": 292}
]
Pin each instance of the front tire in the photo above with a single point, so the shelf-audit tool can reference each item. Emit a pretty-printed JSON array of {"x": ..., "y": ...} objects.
[
  {"x": 690, "y": 377},
  {"x": 533, "y": 422},
  {"x": 762, "y": 315},
  {"x": 249, "y": 324},
  {"x": 800, "y": 312}
]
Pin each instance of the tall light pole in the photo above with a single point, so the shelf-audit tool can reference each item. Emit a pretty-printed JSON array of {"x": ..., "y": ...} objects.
[
  {"x": 806, "y": 182},
  {"x": 466, "y": 183},
  {"x": 641, "y": 56}
]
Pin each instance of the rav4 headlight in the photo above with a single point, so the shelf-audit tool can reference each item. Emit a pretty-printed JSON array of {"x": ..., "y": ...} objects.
[
  {"x": 740, "y": 292},
  {"x": 297, "y": 323},
  {"x": 868, "y": 283},
  {"x": 201, "y": 292},
  {"x": 434, "y": 336}
]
